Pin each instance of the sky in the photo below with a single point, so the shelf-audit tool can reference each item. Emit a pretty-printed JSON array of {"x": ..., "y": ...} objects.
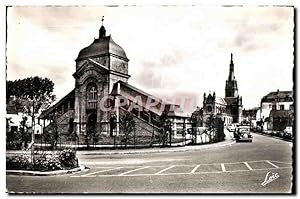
[{"x": 173, "y": 51}]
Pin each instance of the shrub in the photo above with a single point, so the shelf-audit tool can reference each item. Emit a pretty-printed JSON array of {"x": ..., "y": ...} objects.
[
  {"x": 68, "y": 159},
  {"x": 17, "y": 162},
  {"x": 47, "y": 163},
  {"x": 65, "y": 159}
]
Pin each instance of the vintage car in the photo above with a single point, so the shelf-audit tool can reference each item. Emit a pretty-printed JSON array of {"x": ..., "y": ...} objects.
[
  {"x": 288, "y": 133},
  {"x": 242, "y": 133},
  {"x": 231, "y": 128}
]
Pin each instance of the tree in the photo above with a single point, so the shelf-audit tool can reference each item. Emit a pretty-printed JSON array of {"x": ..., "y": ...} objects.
[
  {"x": 112, "y": 125},
  {"x": 10, "y": 89},
  {"x": 215, "y": 126},
  {"x": 194, "y": 121},
  {"x": 127, "y": 126},
  {"x": 51, "y": 135},
  {"x": 13, "y": 140},
  {"x": 197, "y": 121},
  {"x": 25, "y": 135},
  {"x": 165, "y": 128},
  {"x": 197, "y": 117},
  {"x": 34, "y": 94},
  {"x": 72, "y": 135}
]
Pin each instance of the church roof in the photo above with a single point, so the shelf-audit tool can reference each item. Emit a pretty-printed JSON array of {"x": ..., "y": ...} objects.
[
  {"x": 125, "y": 84},
  {"x": 176, "y": 111},
  {"x": 220, "y": 100},
  {"x": 102, "y": 46},
  {"x": 45, "y": 113},
  {"x": 130, "y": 92}
]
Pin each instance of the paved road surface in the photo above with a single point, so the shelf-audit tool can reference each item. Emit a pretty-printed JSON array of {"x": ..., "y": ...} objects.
[{"x": 237, "y": 168}]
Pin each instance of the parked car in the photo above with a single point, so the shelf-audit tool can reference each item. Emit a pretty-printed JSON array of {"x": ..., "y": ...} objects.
[
  {"x": 281, "y": 134},
  {"x": 242, "y": 133},
  {"x": 275, "y": 133},
  {"x": 288, "y": 133},
  {"x": 258, "y": 129},
  {"x": 231, "y": 128}
]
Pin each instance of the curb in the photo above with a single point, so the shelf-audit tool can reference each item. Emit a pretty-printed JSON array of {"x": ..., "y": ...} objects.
[
  {"x": 278, "y": 138},
  {"x": 156, "y": 151},
  {"x": 45, "y": 173}
]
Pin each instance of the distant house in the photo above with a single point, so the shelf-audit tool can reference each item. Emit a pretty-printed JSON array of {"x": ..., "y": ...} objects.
[
  {"x": 280, "y": 119},
  {"x": 180, "y": 120},
  {"x": 252, "y": 115},
  {"x": 14, "y": 116},
  {"x": 276, "y": 107}
]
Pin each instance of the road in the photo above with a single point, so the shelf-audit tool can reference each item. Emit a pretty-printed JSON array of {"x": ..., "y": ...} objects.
[{"x": 237, "y": 168}]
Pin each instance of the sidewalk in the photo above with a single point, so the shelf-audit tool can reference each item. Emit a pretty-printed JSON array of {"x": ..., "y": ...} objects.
[
  {"x": 45, "y": 173},
  {"x": 272, "y": 136}
]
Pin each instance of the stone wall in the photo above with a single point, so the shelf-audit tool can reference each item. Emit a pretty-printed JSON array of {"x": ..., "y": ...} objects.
[{"x": 119, "y": 65}]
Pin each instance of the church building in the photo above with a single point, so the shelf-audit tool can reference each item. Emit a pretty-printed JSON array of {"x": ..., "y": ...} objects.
[
  {"x": 228, "y": 108},
  {"x": 101, "y": 78}
]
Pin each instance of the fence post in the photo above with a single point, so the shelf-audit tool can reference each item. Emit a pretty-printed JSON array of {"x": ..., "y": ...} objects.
[
  {"x": 114, "y": 141},
  {"x": 134, "y": 138}
]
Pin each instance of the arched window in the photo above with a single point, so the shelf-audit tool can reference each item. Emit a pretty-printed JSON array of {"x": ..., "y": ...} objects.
[{"x": 92, "y": 97}]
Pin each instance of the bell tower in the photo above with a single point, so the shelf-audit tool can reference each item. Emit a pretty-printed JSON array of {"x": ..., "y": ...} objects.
[
  {"x": 231, "y": 89},
  {"x": 98, "y": 67}
]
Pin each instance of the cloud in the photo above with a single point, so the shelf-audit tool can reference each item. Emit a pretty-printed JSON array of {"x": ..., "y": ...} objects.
[
  {"x": 154, "y": 73},
  {"x": 258, "y": 28},
  {"x": 171, "y": 59},
  {"x": 152, "y": 77}
]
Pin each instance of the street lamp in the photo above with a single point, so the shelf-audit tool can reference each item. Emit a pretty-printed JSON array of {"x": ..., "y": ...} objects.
[{"x": 41, "y": 133}]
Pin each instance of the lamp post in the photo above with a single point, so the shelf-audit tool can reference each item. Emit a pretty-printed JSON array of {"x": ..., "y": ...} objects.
[
  {"x": 184, "y": 131},
  {"x": 41, "y": 133}
]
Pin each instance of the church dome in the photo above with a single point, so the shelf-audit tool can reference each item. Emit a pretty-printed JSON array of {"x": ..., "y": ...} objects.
[{"x": 102, "y": 46}]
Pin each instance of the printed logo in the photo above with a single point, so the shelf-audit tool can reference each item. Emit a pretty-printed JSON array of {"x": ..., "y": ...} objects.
[{"x": 270, "y": 177}]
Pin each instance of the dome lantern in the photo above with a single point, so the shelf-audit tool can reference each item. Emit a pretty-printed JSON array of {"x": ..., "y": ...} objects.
[{"x": 102, "y": 31}]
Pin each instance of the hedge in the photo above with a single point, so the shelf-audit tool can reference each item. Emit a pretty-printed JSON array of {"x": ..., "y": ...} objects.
[{"x": 55, "y": 160}]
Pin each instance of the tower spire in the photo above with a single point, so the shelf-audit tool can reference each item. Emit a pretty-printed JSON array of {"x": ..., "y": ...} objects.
[
  {"x": 231, "y": 69},
  {"x": 231, "y": 89}
]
